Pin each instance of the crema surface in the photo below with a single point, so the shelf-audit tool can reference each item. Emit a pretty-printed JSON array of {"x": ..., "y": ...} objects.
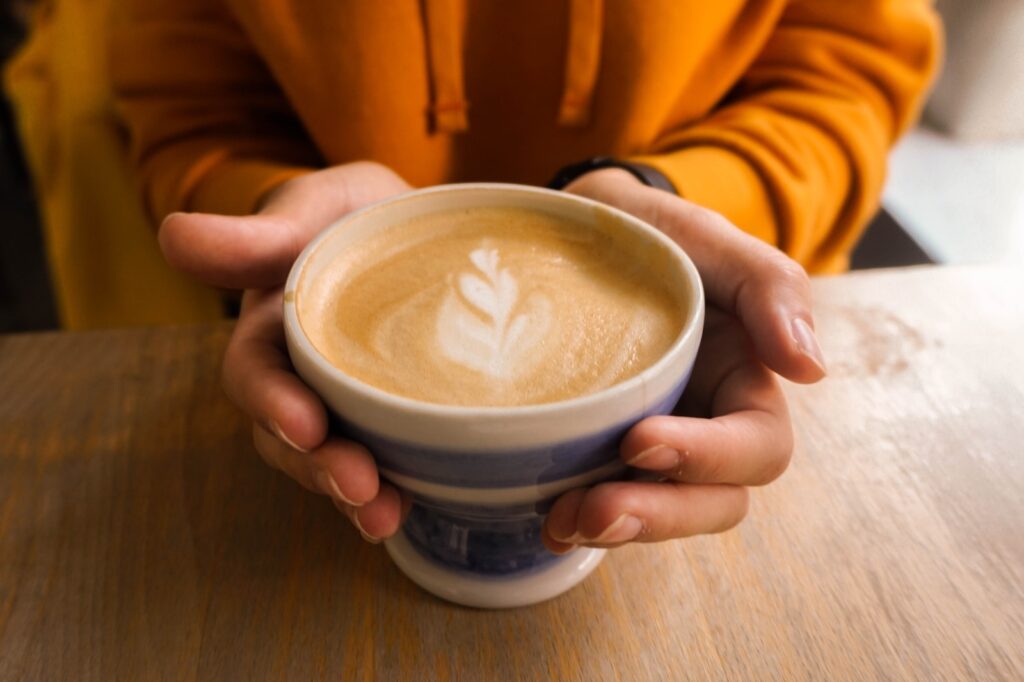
[{"x": 492, "y": 307}]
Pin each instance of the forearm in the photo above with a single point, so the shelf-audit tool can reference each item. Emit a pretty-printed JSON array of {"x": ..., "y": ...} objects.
[
  {"x": 208, "y": 128},
  {"x": 796, "y": 156}
]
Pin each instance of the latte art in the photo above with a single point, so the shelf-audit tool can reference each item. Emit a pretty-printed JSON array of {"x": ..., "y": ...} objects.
[
  {"x": 489, "y": 307},
  {"x": 483, "y": 325}
]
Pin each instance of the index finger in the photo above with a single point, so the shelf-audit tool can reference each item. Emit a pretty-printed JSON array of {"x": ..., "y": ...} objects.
[
  {"x": 258, "y": 376},
  {"x": 747, "y": 441}
]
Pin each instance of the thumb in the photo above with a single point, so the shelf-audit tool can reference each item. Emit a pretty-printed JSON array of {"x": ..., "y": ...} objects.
[
  {"x": 251, "y": 252},
  {"x": 256, "y": 252},
  {"x": 746, "y": 277},
  {"x": 742, "y": 275}
]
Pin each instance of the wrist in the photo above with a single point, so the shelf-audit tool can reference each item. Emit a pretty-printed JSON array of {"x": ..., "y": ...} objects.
[
  {"x": 599, "y": 180},
  {"x": 643, "y": 173}
]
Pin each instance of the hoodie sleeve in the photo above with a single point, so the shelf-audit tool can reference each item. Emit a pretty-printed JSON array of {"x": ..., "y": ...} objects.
[
  {"x": 209, "y": 129},
  {"x": 796, "y": 154}
]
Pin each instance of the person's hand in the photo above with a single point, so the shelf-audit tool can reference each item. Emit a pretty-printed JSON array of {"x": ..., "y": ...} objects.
[
  {"x": 732, "y": 428},
  {"x": 255, "y": 253}
]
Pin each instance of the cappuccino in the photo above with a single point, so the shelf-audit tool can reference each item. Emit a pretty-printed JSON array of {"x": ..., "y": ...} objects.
[{"x": 493, "y": 306}]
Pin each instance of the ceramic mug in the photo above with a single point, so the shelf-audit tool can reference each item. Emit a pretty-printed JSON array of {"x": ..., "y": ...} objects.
[{"x": 482, "y": 478}]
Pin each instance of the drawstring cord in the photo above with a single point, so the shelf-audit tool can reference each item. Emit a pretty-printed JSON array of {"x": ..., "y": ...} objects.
[
  {"x": 582, "y": 61},
  {"x": 444, "y": 52},
  {"x": 448, "y": 105}
]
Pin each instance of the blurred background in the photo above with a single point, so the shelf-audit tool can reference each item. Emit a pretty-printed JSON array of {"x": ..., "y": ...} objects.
[
  {"x": 955, "y": 192},
  {"x": 26, "y": 298}
]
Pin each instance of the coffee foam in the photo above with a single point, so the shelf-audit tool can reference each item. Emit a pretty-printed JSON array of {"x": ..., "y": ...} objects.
[{"x": 493, "y": 307}]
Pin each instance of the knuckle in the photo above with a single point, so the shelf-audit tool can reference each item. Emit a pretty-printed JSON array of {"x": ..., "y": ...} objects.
[
  {"x": 606, "y": 501},
  {"x": 742, "y": 508},
  {"x": 670, "y": 212},
  {"x": 687, "y": 219},
  {"x": 777, "y": 458},
  {"x": 168, "y": 238},
  {"x": 789, "y": 273},
  {"x": 709, "y": 467},
  {"x": 275, "y": 224},
  {"x": 382, "y": 172},
  {"x": 739, "y": 507},
  {"x": 712, "y": 217},
  {"x": 785, "y": 456},
  {"x": 603, "y": 495},
  {"x": 367, "y": 165},
  {"x": 774, "y": 467}
]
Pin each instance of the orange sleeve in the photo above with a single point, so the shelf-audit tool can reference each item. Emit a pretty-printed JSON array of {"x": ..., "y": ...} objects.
[
  {"x": 796, "y": 153},
  {"x": 209, "y": 128}
]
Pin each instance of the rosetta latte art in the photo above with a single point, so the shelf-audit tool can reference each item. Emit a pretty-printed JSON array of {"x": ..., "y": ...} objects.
[
  {"x": 482, "y": 324},
  {"x": 488, "y": 307}
]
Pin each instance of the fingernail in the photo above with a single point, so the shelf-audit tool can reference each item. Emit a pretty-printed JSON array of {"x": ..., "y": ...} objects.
[
  {"x": 622, "y": 529},
  {"x": 288, "y": 441},
  {"x": 366, "y": 536},
  {"x": 658, "y": 457},
  {"x": 808, "y": 343},
  {"x": 328, "y": 486}
]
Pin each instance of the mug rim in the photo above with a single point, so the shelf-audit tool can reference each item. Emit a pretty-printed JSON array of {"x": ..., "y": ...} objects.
[{"x": 692, "y": 325}]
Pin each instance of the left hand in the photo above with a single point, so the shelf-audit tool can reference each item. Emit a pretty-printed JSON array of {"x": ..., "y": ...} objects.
[
  {"x": 255, "y": 253},
  {"x": 732, "y": 427}
]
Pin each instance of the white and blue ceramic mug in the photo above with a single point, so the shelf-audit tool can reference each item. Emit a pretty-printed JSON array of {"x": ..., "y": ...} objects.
[{"x": 482, "y": 478}]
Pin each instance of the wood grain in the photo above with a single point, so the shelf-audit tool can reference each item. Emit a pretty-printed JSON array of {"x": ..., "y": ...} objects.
[{"x": 142, "y": 538}]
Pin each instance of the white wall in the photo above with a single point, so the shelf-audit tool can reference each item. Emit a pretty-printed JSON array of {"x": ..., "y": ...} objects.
[{"x": 980, "y": 94}]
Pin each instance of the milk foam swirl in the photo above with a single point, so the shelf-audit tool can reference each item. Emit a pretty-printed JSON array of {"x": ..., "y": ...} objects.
[
  {"x": 490, "y": 307},
  {"x": 483, "y": 325}
]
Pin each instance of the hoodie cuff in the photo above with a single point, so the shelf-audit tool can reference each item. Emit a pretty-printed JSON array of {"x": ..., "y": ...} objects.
[
  {"x": 723, "y": 181},
  {"x": 239, "y": 186}
]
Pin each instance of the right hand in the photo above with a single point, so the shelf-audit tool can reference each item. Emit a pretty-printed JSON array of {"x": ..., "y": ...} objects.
[{"x": 255, "y": 253}]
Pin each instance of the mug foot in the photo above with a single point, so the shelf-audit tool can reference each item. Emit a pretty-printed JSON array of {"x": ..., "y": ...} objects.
[{"x": 527, "y": 587}]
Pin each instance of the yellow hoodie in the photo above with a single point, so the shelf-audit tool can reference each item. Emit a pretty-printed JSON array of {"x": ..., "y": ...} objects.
[{"x": 776, "y": 113}]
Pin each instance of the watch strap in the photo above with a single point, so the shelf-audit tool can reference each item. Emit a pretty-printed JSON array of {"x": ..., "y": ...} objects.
[{"x": 646, "y": 174}]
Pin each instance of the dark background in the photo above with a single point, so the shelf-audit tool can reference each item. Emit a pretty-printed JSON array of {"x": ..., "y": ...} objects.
[{"x": 25, "y": 297}]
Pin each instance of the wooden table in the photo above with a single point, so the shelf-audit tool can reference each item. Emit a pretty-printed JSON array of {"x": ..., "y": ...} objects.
[{"x": 141, "y": 537}]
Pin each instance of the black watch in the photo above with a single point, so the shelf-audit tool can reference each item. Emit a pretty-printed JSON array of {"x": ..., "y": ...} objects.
[{"x": 645, "y": 174}]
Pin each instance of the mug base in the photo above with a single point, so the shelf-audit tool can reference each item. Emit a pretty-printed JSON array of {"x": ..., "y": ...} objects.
[{"x": 500, "y": 592}]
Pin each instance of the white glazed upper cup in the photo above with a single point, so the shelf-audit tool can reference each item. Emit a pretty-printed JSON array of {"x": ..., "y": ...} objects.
[{"x": 487, "y": 472}]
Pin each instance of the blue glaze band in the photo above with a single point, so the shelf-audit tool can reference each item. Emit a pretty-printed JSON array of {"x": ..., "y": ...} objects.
[
  {"x": 491, "y": 547},
  {"x": 487, "y": 541},
  {"x": 510, "y": 469}
]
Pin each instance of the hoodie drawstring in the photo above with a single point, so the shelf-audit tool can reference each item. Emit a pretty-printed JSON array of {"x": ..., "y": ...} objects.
[
  {"x": 444, "y": 56},
  {"x": 448, "y": 105},
  {"x": 582, "y": 61}
]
